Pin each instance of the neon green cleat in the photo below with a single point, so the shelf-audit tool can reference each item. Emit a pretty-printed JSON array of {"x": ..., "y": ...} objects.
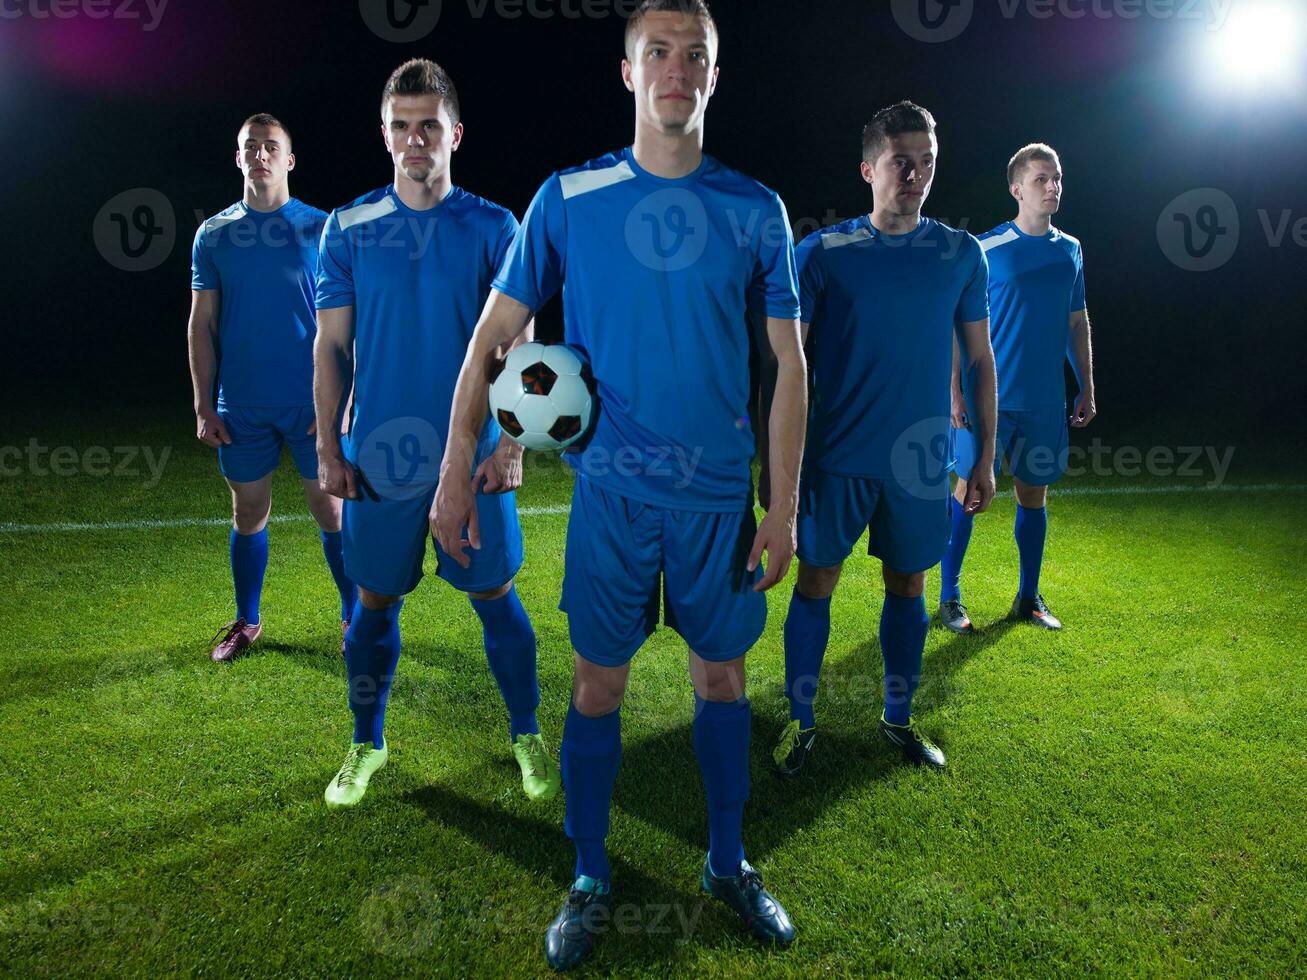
[
  {"x": 352, "y": 781},
  {"x": 541, "y": 779}
]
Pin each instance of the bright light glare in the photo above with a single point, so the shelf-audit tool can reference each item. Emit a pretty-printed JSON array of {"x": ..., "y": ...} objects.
[{"x": 1260, "y": 42}]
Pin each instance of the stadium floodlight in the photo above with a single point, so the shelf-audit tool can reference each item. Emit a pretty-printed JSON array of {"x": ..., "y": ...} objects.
[{"x": 1260, "y": 42}]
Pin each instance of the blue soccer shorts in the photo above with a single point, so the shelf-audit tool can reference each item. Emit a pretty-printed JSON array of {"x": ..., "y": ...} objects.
[
  {"x": 908, "y": 521},
  {"x": 622, "y": 556},
  {"x": 1034, "y": 444},
  {"x": 257, "y": 435}
]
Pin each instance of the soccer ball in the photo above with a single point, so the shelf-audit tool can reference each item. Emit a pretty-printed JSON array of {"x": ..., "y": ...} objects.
[{"x": 544, "y": 396}]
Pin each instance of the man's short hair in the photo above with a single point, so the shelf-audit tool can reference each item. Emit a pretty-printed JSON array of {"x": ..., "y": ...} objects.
[
  {"x": 690, "y": 8},
  {"x": 1020, "y": 162},
  {"x": 902, "y": 117},
  {"x": 267, "y": 119},
  {"x": 421, "y": 76}
]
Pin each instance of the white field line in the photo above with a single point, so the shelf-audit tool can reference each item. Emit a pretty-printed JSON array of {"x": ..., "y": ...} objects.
[{"x": 564, "y": 509}]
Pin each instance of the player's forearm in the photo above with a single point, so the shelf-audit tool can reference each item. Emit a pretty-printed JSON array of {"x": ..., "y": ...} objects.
[
  {"x": 957, "y": 366},
  {"x": 986, "y": 405},
  {"x": 788, "y": 428},
  {"x": 333, "y": 373},
  {"x": 1082, "y": 352},
  {"x": 204, "y": 362}
]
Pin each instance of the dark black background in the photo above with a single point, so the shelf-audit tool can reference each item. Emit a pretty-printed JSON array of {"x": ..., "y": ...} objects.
[{"x": 93, "y": 108}]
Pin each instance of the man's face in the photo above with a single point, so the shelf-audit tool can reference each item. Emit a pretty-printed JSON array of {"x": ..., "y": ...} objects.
[
  {"x": 901, "y": 176},
  {"x": 420, "y": 135},
  {"x": 1040, "y": 188},
  {"x": 672, "y": 70},
  {"x": 263, "y": 155}
]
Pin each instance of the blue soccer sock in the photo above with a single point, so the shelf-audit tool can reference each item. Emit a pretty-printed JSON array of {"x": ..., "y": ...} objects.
[
  {"x": 371, "y": 656},
  {"x": 950, "y": 569},
  {"x": 807, "y": 632},
  {"x": 1031, "y": 529},
  {"x": 589, "y": 757},
  {"x": 721, "y": 741},
  {"x": 333, "y": 548},
  {"x": 249, "y": 561},
  {"x": 511, "y": 651},
  {"x": 903, "y": 623}
]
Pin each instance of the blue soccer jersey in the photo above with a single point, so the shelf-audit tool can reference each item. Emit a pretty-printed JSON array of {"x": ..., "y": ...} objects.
[
  {"x": 263, "y": 266},
  {"x": 417, "y": 281},
  {"x": 656, "y": 276},
  {"x": 1035, "y": 284},
  {"x": 883, "y": 311}
]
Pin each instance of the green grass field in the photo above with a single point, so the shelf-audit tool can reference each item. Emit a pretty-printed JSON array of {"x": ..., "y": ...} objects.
[{"x": 1126, "y": 797}]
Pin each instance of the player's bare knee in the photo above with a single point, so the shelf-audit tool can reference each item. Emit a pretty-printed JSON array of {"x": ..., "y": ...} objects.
[
  {"x": 1031, "y": 497},
  {"x": 598, "y": 690},
  {"x": 818, "y": 583},
  {"x": 375, "y": 601},
  {"x": 908, "y": 584},
  {"x": 717, "y": 680},
  {"x": 323, "y": 506},
  {"x": 493, "y": 594},
  {"x": 250, "y": 518}
]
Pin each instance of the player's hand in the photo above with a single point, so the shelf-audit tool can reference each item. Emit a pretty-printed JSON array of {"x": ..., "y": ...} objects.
[
  {"x": 502, "y": 471},
  {"x": 980, "y": 488},
  {"x": 455, "y": 508},
  {"x": 210, "y": 430},
  {"x": 1085, "y": 409},
  {"x": 959, "y": 411},
  {"x": 776, "y": 536},
  {"x": 336, "y": 477}
]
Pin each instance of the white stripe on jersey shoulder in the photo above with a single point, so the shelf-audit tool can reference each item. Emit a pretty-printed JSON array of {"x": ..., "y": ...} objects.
[
  {"x": 366, "y": 212},
  {"x": 1008, "y": 236},
  {"x": 585, "y": 181},
  {"x": 838, "y": 239},
  {"x": 222, "y": 220}
]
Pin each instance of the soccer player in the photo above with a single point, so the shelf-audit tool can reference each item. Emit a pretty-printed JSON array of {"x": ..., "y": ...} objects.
[
  {"x": 659, "y": 250},
  {"x": 1037, "y": 298},
  {"x": 884, "y": 297},
  {"x": 252, "y": 328},
  {"x": 402, "y": 274}
]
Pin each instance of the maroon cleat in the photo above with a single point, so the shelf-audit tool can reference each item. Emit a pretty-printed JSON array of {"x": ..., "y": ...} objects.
[{"x": 237, "y": 637}]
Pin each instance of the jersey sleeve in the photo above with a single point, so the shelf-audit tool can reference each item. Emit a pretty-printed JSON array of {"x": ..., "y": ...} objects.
[
  {"x": 807, "y": 256},
  {"x": 974, "y": 303},
  {"x": 335, "y": 280},
  {"x": 204, "y": 273},
  {"x": 533, "y": 267},
  {"x": 503, "y": 241},
  {"x": 776, "y": 278},
  {"x": 1078, "y": 288}
]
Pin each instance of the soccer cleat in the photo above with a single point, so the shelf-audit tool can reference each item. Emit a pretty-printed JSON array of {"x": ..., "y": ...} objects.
[
  {"x": 586, "y": 912},
  {"x": 237, "y": 637},
  {"x": 792, "y": 748},
  {"x": 349, "y": 785},
  {"x": 916, "y": 748},
  {"x": 1035, "y": 611},
  {"x": 752, "y": 903},
  {"x": 954, "y": 617},
  {"x": 541, "y": 778}
]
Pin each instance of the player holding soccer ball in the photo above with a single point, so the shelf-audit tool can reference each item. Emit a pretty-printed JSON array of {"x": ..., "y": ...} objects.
[
  {"x": 252, "y": 269},
  {"x": 657, "y": 249},
  {"x": 403, "y": 272},
  {"x": 884, "y": 297},
  {"x": 1037, "y": 295}
]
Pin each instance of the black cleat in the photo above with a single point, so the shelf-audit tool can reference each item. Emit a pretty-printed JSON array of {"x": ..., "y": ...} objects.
[
  {"x": 1035, "y": 611},
  {"x": 954, "y": 617},
  {"x": 916, "y": 748},
  {"x": 753, "y": 903},
  {"x": 571, "y": 935},
  {"x": 792, "y": 749}
]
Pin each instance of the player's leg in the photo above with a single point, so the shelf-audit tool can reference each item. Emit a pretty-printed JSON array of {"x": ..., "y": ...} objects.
[
  {"x": 710, "y": 600},
  {"x": 610, "y": 595},
  {"x": 383, "y": 545},
  {"x": 909, "y": 533},
  {"x": 1038, "y": 460},
  {"x": 833, "y": 513},
  {"x": 965, "y": 450}
]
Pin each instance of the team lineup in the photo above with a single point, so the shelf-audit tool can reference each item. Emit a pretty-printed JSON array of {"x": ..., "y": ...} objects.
[{"x": 902, "y": 350}]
